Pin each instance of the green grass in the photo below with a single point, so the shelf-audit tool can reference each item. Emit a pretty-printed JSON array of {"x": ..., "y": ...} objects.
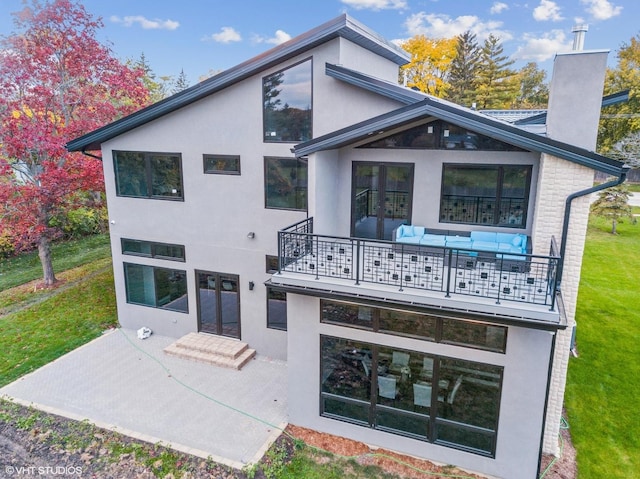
[
  {"x": 601, "y": 397},
  {"x": 21, "y": 269},
  {"x": 634, "y": 187},
  {"x": 37, "y": 335}
]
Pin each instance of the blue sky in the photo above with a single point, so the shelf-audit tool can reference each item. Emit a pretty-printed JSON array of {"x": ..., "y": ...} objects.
[{"x": 208, "y": 36}]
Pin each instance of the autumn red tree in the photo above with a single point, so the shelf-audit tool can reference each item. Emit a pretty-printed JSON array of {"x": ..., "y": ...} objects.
[{"x": 57, "y": 82}]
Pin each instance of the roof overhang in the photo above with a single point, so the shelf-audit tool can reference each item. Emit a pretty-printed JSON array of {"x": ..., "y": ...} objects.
[
  {"x": 466, "y": 118},
  {"x": 343, "y": 26}
]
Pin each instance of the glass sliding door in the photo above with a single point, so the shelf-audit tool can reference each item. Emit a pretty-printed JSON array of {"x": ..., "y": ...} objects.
[
  {"x": 218, "y": 304},
  {"x": 381, "y": 198}
]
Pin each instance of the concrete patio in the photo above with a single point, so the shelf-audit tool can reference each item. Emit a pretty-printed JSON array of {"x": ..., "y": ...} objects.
[{"x": 129, "y": 385}]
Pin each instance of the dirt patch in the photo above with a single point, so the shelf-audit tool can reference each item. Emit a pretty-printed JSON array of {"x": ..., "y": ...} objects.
[
  {"x": 563, "y": 467},
  {"x": 49, "y": 446}
]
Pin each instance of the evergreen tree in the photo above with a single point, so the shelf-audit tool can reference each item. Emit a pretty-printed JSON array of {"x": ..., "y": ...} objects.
[
  {"x": 464, "y": 69},
  {"x": 158, "y": 89},
  {"x": 181, "y": 83},
  {"x": 613, "y": 203},
  {"x": 497, "y": 85}
]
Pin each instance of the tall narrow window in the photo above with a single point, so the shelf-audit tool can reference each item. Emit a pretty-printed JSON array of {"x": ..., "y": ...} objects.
[
  {"x": 287, "y": 104},
  {"x": 491, "y": 195},
  {"x": 276, "y": 309},
  {"x": 148, "y": 175}
]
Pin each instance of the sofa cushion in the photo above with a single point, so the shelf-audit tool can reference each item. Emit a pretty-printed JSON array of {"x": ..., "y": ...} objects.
[
  {"x": 404, "y": 231},
  {"x": 458, "y": 239},
  {"x": 485, "y": 245},
  {"x": 486, "y": 236},
  {"x": 409, "y": 239},
  {"x": 418, "y": 230},
  {"x": 432, "y": 240}
]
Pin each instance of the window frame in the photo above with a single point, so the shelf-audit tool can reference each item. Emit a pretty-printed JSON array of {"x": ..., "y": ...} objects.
[
  {"x": 300, "y": 162},
  {"x": 152, "y": 247},
  {"x": 442, "y": 333},
  {"x": 148, "y": 177},
  {"x": 270, "y": 323},
  {"x": 126, "y": 266},
  {"x": 499, "y": 198},
  {"x": 207, "y": 156},
  {"x": 264, "y": 119},
  {"x": 373, "y": 407}
]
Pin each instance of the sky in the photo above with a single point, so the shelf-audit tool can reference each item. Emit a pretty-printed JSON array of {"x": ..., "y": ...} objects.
[{"x": 203, "y": 37}]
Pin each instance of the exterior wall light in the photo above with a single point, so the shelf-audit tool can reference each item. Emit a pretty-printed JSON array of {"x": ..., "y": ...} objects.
[
  {"x": 251, "y": 235},
  {"x": 251, "y": 285}
]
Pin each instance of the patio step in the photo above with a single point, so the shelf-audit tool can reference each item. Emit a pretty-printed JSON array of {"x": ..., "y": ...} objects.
[{"x": 210, "y": 349}]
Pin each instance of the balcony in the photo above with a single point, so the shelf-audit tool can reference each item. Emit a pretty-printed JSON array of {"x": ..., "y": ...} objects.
[{"x": 374, "y": 267}]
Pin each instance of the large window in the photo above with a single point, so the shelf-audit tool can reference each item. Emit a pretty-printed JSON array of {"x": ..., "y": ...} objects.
[
  {"x": 287, "y": 104},
  {"x": 451, "y": 402},
  {"x": 148, "y": 175},
  {"x": 151, "y": 249},
  {"x": 491, "y": 195},
  {"x": 276, "y": 309},
  {"x": 285, "y": 183},
  {"x": 416, "y": 325},
  {"x": 156, "y": 287}
]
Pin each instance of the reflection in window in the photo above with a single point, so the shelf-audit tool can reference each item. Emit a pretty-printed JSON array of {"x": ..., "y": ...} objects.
[
  {"x": 287, "y": 104},
  {"x": 492, "y": 195},
  {"x": 416, "y": 325},
  {"x": 286, "y": 183},
  {"x": 148, "y": 175},
  {"x": 447, "y": 401},
  {"x": 152, "y": 249},
  {"x": 276, "y": 309},
  {"x": 441, "y": 135},
  {"x": 156, "y": 287},
  {"x": 222, "y": 164}
]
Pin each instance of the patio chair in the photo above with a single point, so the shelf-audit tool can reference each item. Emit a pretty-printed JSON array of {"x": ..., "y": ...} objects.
[
  {"x": 427, "y": 368},
  {"x": 387, "y": 387},
  {"x": 422, "y": 395},
  {"x": 399, "y": 360}
]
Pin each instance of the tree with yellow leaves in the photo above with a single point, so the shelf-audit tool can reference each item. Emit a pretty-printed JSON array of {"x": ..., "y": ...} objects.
[{"x": 430, "y": 63}]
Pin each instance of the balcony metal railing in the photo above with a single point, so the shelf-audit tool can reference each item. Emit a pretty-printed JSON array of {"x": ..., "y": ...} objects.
[{"x": 503, "y": 277}]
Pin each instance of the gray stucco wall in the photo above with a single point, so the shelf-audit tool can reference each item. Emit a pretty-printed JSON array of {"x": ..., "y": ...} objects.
[
  {"x": 521, "y": 406},
  {"x": 219, "y": 211}
]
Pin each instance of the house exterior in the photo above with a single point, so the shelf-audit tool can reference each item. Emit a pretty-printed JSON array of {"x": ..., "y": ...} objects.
[{"x": 265, "y": 203}]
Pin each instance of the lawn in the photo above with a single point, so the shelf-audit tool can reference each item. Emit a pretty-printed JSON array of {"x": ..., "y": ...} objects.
[
  {"x": 21, "y": 269},
  {"x": 601, "y": 397},
  {"x": 40, "y": 326}
]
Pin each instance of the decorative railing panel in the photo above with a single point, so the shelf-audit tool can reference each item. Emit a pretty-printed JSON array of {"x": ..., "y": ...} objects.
[{"x": 519, "y": 278}]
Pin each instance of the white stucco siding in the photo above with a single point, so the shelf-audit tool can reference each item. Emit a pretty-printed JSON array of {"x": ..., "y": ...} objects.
[
  {"x": 219, "y": 211},
  {"x": 521, "y": 405}
]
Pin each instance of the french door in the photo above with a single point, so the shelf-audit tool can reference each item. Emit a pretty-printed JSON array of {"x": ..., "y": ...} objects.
[
  {"x": 381, "y": 198},
  {"x": 218, "y": 303}
]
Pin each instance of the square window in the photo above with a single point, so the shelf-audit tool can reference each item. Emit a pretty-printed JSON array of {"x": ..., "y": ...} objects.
[{"x": 285, "y": 183}]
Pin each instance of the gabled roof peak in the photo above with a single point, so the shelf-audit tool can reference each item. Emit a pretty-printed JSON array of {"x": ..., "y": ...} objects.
[{"x": 342, "y": 26}]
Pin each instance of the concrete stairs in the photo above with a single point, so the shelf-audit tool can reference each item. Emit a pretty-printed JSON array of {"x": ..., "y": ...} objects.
[{"x": 211, "y": 349}]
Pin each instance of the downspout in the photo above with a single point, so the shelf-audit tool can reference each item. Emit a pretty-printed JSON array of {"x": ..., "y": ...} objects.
[{"x": 567, "y": 214}]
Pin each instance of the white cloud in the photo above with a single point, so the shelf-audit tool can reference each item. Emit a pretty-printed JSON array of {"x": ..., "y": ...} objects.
[
  {"x": 602, "y": 9},
  {"x": 542, "y": 48},
  {"x": 498, "y": 7},
  {"x": 145, "y": 23},
  {"x": 442, "y": 26},
  {"x": 226, "y": 35},
  {"x": 376, "y": 4},
  {"x": 280, "y": 37},
  {"x": 547, "y": 10}
]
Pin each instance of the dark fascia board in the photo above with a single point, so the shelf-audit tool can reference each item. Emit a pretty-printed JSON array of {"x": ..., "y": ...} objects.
[
  {"x": 466, "y": 118},
  {"x": 390, "y": 90},
  {"x": 607, "y": 100},
  {"x": 343, "y": 26}
]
